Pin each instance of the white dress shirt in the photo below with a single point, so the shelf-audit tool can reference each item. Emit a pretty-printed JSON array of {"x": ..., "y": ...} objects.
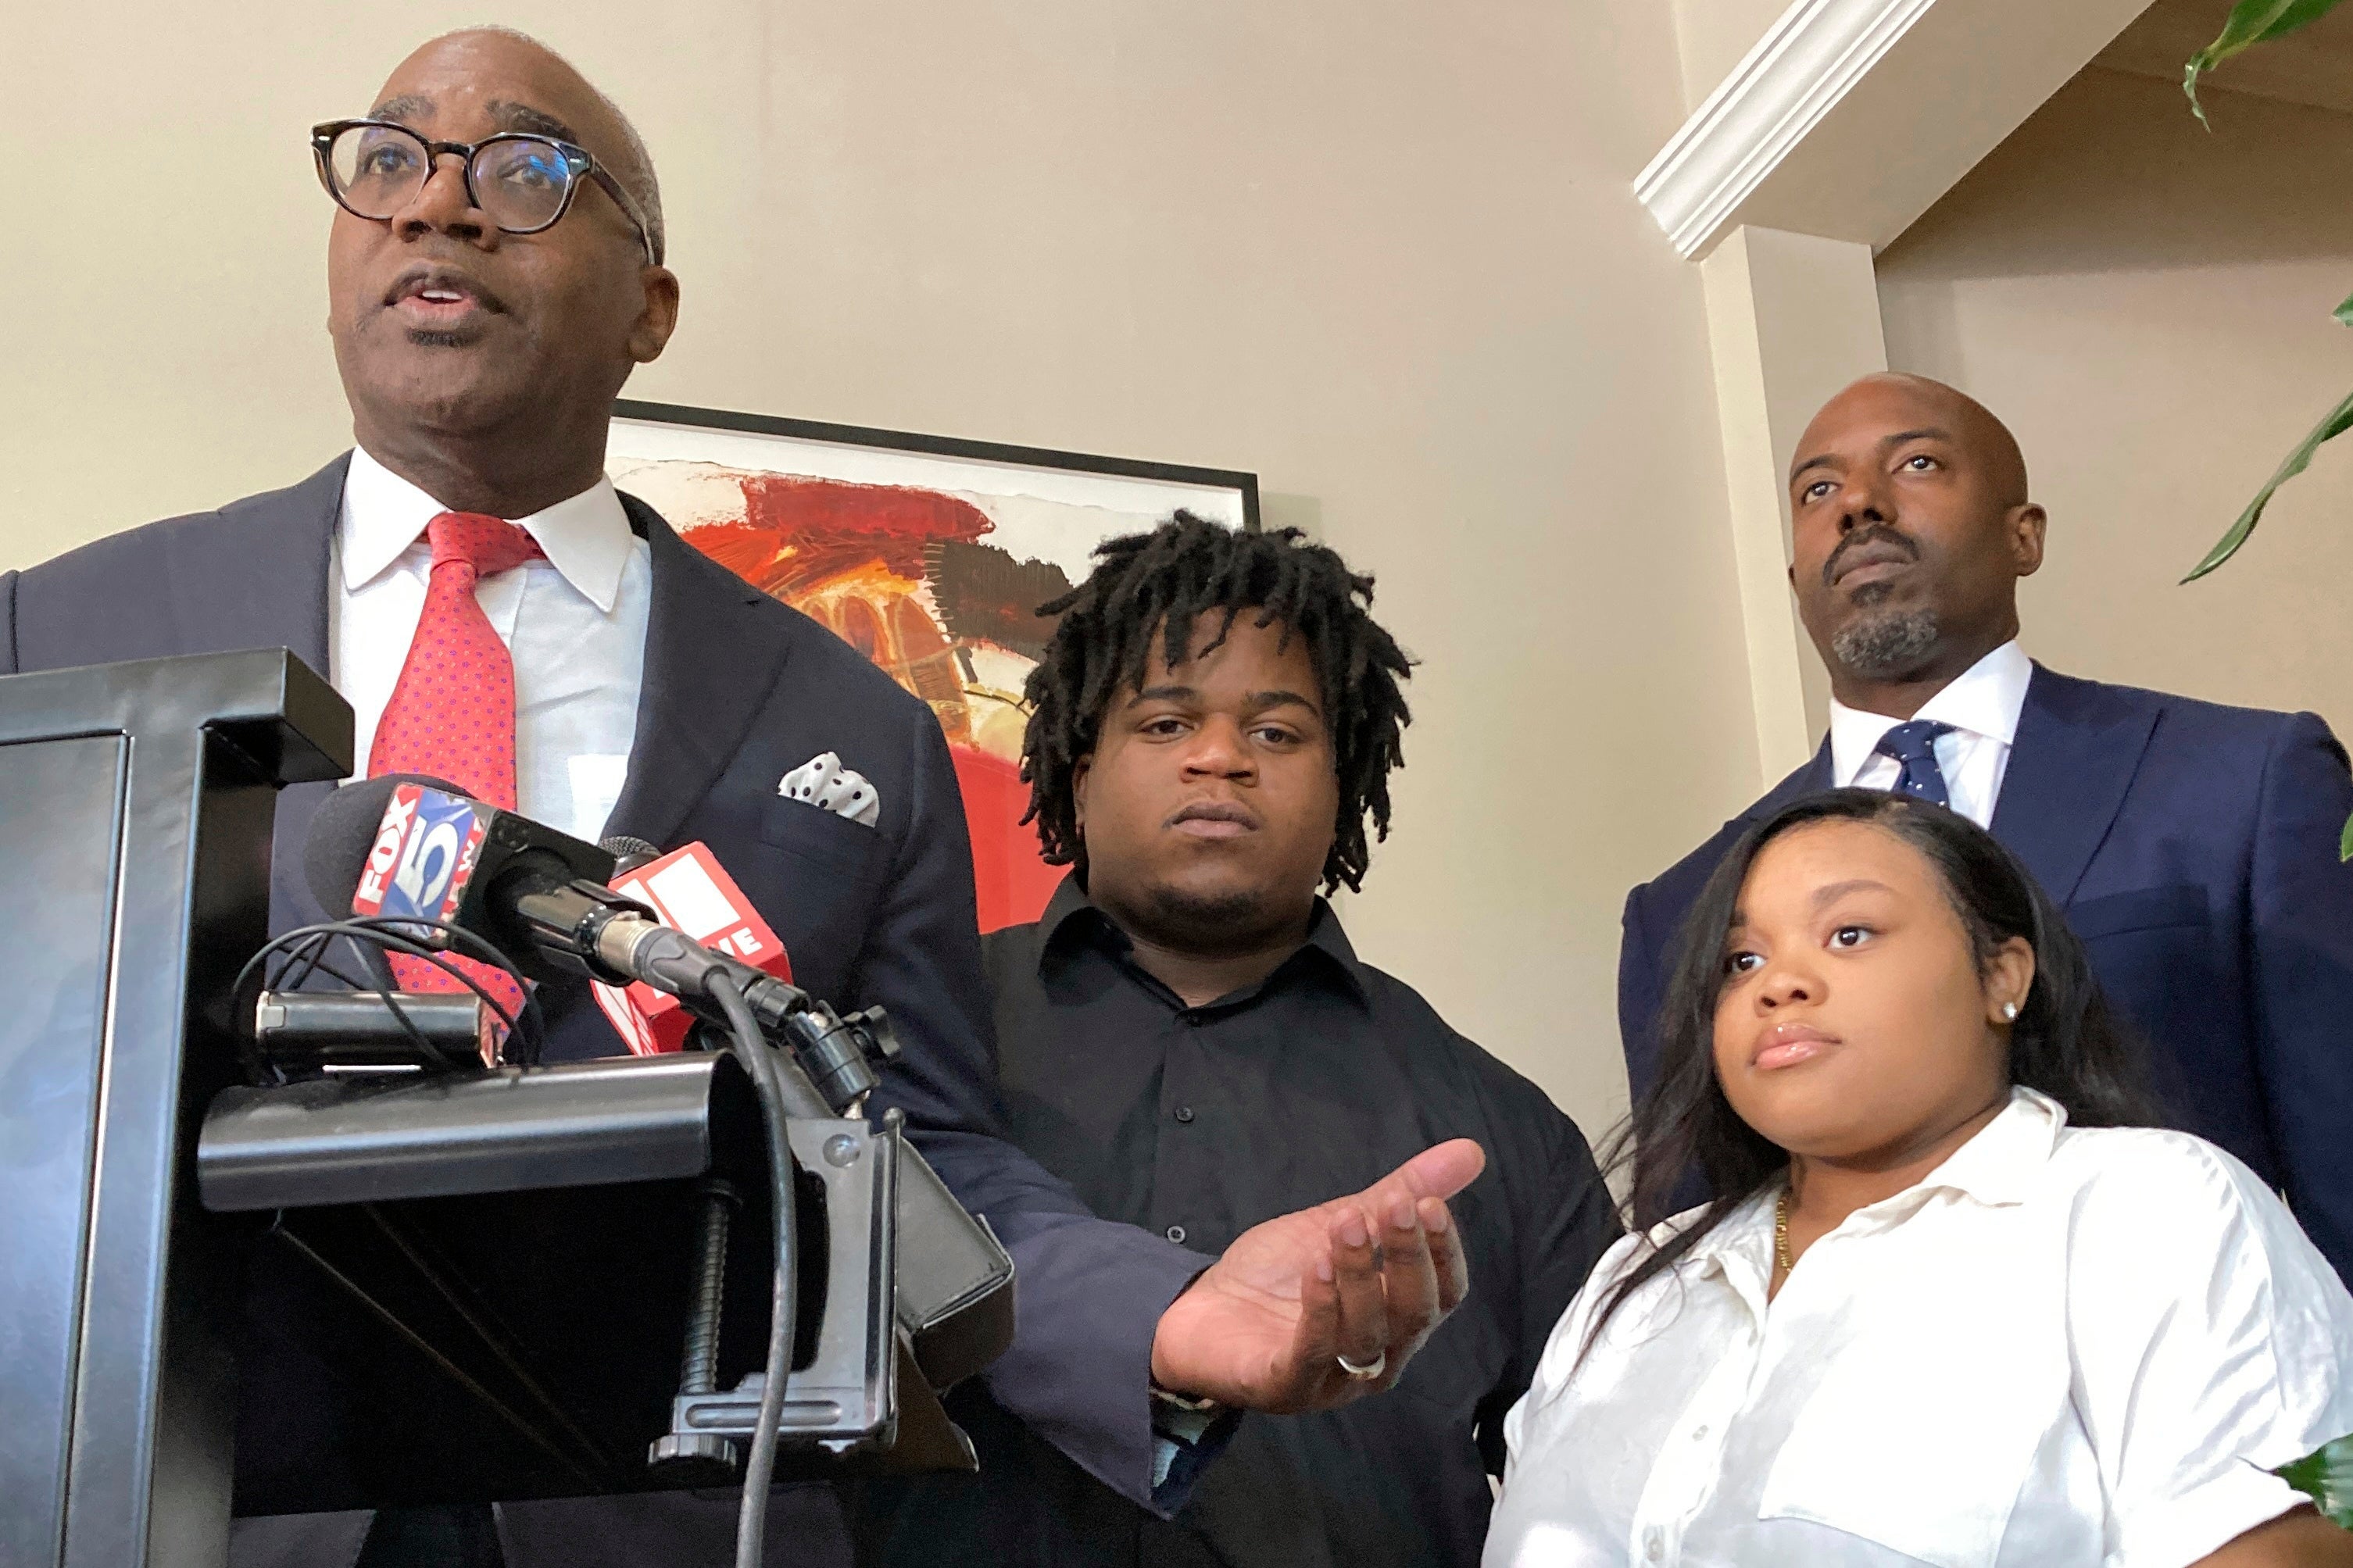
[
  {"x": 576, "y": 624},
  {"x": 1982, "y": 704},
  {"x": 2063, "y": 1346}
]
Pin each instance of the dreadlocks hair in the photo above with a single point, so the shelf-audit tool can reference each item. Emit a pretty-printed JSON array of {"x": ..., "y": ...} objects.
[{"x": 1164, "y": 581}]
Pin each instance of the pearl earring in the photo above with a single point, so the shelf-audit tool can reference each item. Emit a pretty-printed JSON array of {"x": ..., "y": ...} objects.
[{"x": 2009, "y": 1011}]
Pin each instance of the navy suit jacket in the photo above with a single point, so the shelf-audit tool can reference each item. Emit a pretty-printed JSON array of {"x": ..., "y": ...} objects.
[
  {"x": 2194, "y": 849},
  {"x": 738, "y": 690}
]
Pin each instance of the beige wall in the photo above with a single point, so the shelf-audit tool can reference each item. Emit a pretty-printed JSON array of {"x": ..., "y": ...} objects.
[
  {"x": 1712, "y": 36},
  {"x": 2148, "y": 306},
  {"x": 1383, "y": 255}
]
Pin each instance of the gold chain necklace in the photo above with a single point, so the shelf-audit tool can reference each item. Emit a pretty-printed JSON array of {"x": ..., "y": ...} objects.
[{"x": 1781, "y": 1258}]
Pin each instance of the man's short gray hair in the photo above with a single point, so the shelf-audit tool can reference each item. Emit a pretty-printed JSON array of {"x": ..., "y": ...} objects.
[{"x": 638, "y": 177}]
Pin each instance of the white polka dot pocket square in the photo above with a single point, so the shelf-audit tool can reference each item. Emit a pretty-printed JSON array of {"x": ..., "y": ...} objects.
[{"x": 822, "y": 781}]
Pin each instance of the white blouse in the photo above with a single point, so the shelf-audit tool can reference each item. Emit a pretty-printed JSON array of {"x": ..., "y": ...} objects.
[{"x": 2066, "y": 1345}]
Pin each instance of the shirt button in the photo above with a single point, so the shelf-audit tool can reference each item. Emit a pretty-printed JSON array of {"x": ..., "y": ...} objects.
[
  {"x": 1652, "y": 1548},
  {"x": 1176, "y": 1234},
  {"x": 1184, "y": 1113},
  {"x": 1699, "y": 1434}
]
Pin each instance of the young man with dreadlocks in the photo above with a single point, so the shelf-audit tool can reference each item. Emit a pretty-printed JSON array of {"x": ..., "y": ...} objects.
[{"x": 1188, "y": 1039}]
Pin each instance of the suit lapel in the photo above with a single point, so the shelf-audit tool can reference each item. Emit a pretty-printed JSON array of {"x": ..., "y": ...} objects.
[
  {"x": 1811, "y": 779},
  {"x": 2078, "y": 745},
  {"x": 260, "y": 580},
  {"x": 293, "y": 530},
  {"x": 714, "y": 650}
]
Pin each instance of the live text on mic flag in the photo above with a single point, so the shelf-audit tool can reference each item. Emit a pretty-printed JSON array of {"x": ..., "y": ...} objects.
[{"x": 693, "y": 894}]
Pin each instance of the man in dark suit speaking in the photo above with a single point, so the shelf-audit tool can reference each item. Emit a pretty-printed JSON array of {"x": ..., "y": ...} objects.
[
  {"x": 494, "y": 610},
  {"x": 2194, "y": 847}
]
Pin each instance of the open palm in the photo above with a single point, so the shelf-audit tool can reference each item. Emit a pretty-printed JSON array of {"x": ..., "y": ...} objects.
[{"x": 1367, "y": 1277}]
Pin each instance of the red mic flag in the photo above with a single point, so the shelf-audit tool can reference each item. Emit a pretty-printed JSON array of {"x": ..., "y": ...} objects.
[{"x": 694, "y": 894}]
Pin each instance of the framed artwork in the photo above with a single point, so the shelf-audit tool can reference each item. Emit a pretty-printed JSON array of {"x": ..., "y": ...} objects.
[{"x": 928, "y": 554}]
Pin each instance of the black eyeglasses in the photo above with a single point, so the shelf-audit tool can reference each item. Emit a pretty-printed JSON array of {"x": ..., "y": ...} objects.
[{"x": 522, "y": 182}]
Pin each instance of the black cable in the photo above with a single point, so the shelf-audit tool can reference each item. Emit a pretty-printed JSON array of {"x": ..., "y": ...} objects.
[
  {"x": 310, "y": 959},
  {"x": 395, "y": 936},
  {"x": 751, "y": 1048},
  {"x": 403, "y": 936},
  {"x": 303, "y": 953},
  {"x": 321, "y": 966},
  {"x": 305, "y": 946},
  {"x": 303, "y": 962}
]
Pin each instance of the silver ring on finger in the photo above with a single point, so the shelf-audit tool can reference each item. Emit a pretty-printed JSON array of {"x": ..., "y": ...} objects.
[{"x": 1368, "y": 1370}]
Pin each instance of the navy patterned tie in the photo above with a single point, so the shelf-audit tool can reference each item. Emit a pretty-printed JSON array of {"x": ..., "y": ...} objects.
[{"x": 1914, "y": 747}]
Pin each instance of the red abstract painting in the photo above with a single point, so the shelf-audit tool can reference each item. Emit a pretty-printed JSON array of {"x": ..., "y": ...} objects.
[
  {"x": 907, "y": 577},
  {"x": 930, "y": 555}
]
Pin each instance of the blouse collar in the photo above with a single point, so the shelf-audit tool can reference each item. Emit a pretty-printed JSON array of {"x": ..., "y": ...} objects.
[{"x": 1997, "y": 1167}]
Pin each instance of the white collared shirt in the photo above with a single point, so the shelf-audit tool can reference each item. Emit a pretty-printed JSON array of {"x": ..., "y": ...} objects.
[
  {"x": 576, "y": 624},
  {"x": 1982, "y": 704},
  {"x": 2065, "y": 1345}
]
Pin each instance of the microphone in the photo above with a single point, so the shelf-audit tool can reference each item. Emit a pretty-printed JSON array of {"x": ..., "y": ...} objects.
[
  {"x": 405, "y": 847},
  {"x": 417, "y": 848},
  {"x": 628, "y": 853},
  {"x": 691, "y": 893}
]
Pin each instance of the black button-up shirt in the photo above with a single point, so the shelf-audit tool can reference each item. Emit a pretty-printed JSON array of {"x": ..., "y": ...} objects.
[{"x": 1199, "y": 1122}]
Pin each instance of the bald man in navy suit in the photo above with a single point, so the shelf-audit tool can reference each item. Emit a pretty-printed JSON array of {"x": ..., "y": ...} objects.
[{"x": 2194, "y": 847}]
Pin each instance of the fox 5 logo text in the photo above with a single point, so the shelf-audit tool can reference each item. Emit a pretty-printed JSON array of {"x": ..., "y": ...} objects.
[{"x": 425, "y": 851}]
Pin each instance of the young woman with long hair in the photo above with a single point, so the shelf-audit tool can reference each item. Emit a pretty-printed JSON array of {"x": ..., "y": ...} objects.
[{"x": 1959, "y": 1300}]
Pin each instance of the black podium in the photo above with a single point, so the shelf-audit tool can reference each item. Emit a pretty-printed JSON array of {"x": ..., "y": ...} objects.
[
  {"x": 220, "y": 1296},
  {"x": 136, "y": 810}
]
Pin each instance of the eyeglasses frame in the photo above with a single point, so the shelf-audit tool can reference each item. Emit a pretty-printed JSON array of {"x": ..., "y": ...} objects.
[{"x": 577, "y": 160}]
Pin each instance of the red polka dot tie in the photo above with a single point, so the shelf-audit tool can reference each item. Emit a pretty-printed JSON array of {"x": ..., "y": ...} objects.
[{"x": 452, "y": 712}]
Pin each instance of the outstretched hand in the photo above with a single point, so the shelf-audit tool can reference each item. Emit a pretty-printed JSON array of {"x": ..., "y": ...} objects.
[{"x": 1367, "y": 1277}]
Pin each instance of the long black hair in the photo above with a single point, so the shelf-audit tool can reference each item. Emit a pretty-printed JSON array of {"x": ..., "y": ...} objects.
[
  {"x": 1159, "y": 583},
  {"x": 2064, "y": 1042}
]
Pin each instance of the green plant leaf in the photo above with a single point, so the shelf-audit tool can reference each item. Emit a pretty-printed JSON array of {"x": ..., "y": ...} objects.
[
  {"x": 2251, "y": 22},
  {"x": 2345, "y": 841},
  {"x": 2340, "y": 419},
  {"x": 2327, "y": 1478}
]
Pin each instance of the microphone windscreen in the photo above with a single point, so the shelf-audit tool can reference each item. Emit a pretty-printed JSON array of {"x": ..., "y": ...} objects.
[{"x": 344, "y": 832}]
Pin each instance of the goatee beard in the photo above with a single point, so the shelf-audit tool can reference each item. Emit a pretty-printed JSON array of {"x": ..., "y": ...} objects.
[
  {"x": 1887, "y": 644},
  {"x": 1238, "y": 920}
]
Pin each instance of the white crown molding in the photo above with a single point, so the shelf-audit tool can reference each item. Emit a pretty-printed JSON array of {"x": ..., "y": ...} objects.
[{"x": 1810, "y": 60}]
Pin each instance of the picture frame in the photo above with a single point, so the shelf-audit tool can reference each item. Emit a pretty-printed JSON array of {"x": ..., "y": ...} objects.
[{"x": 928, "y": 553}]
